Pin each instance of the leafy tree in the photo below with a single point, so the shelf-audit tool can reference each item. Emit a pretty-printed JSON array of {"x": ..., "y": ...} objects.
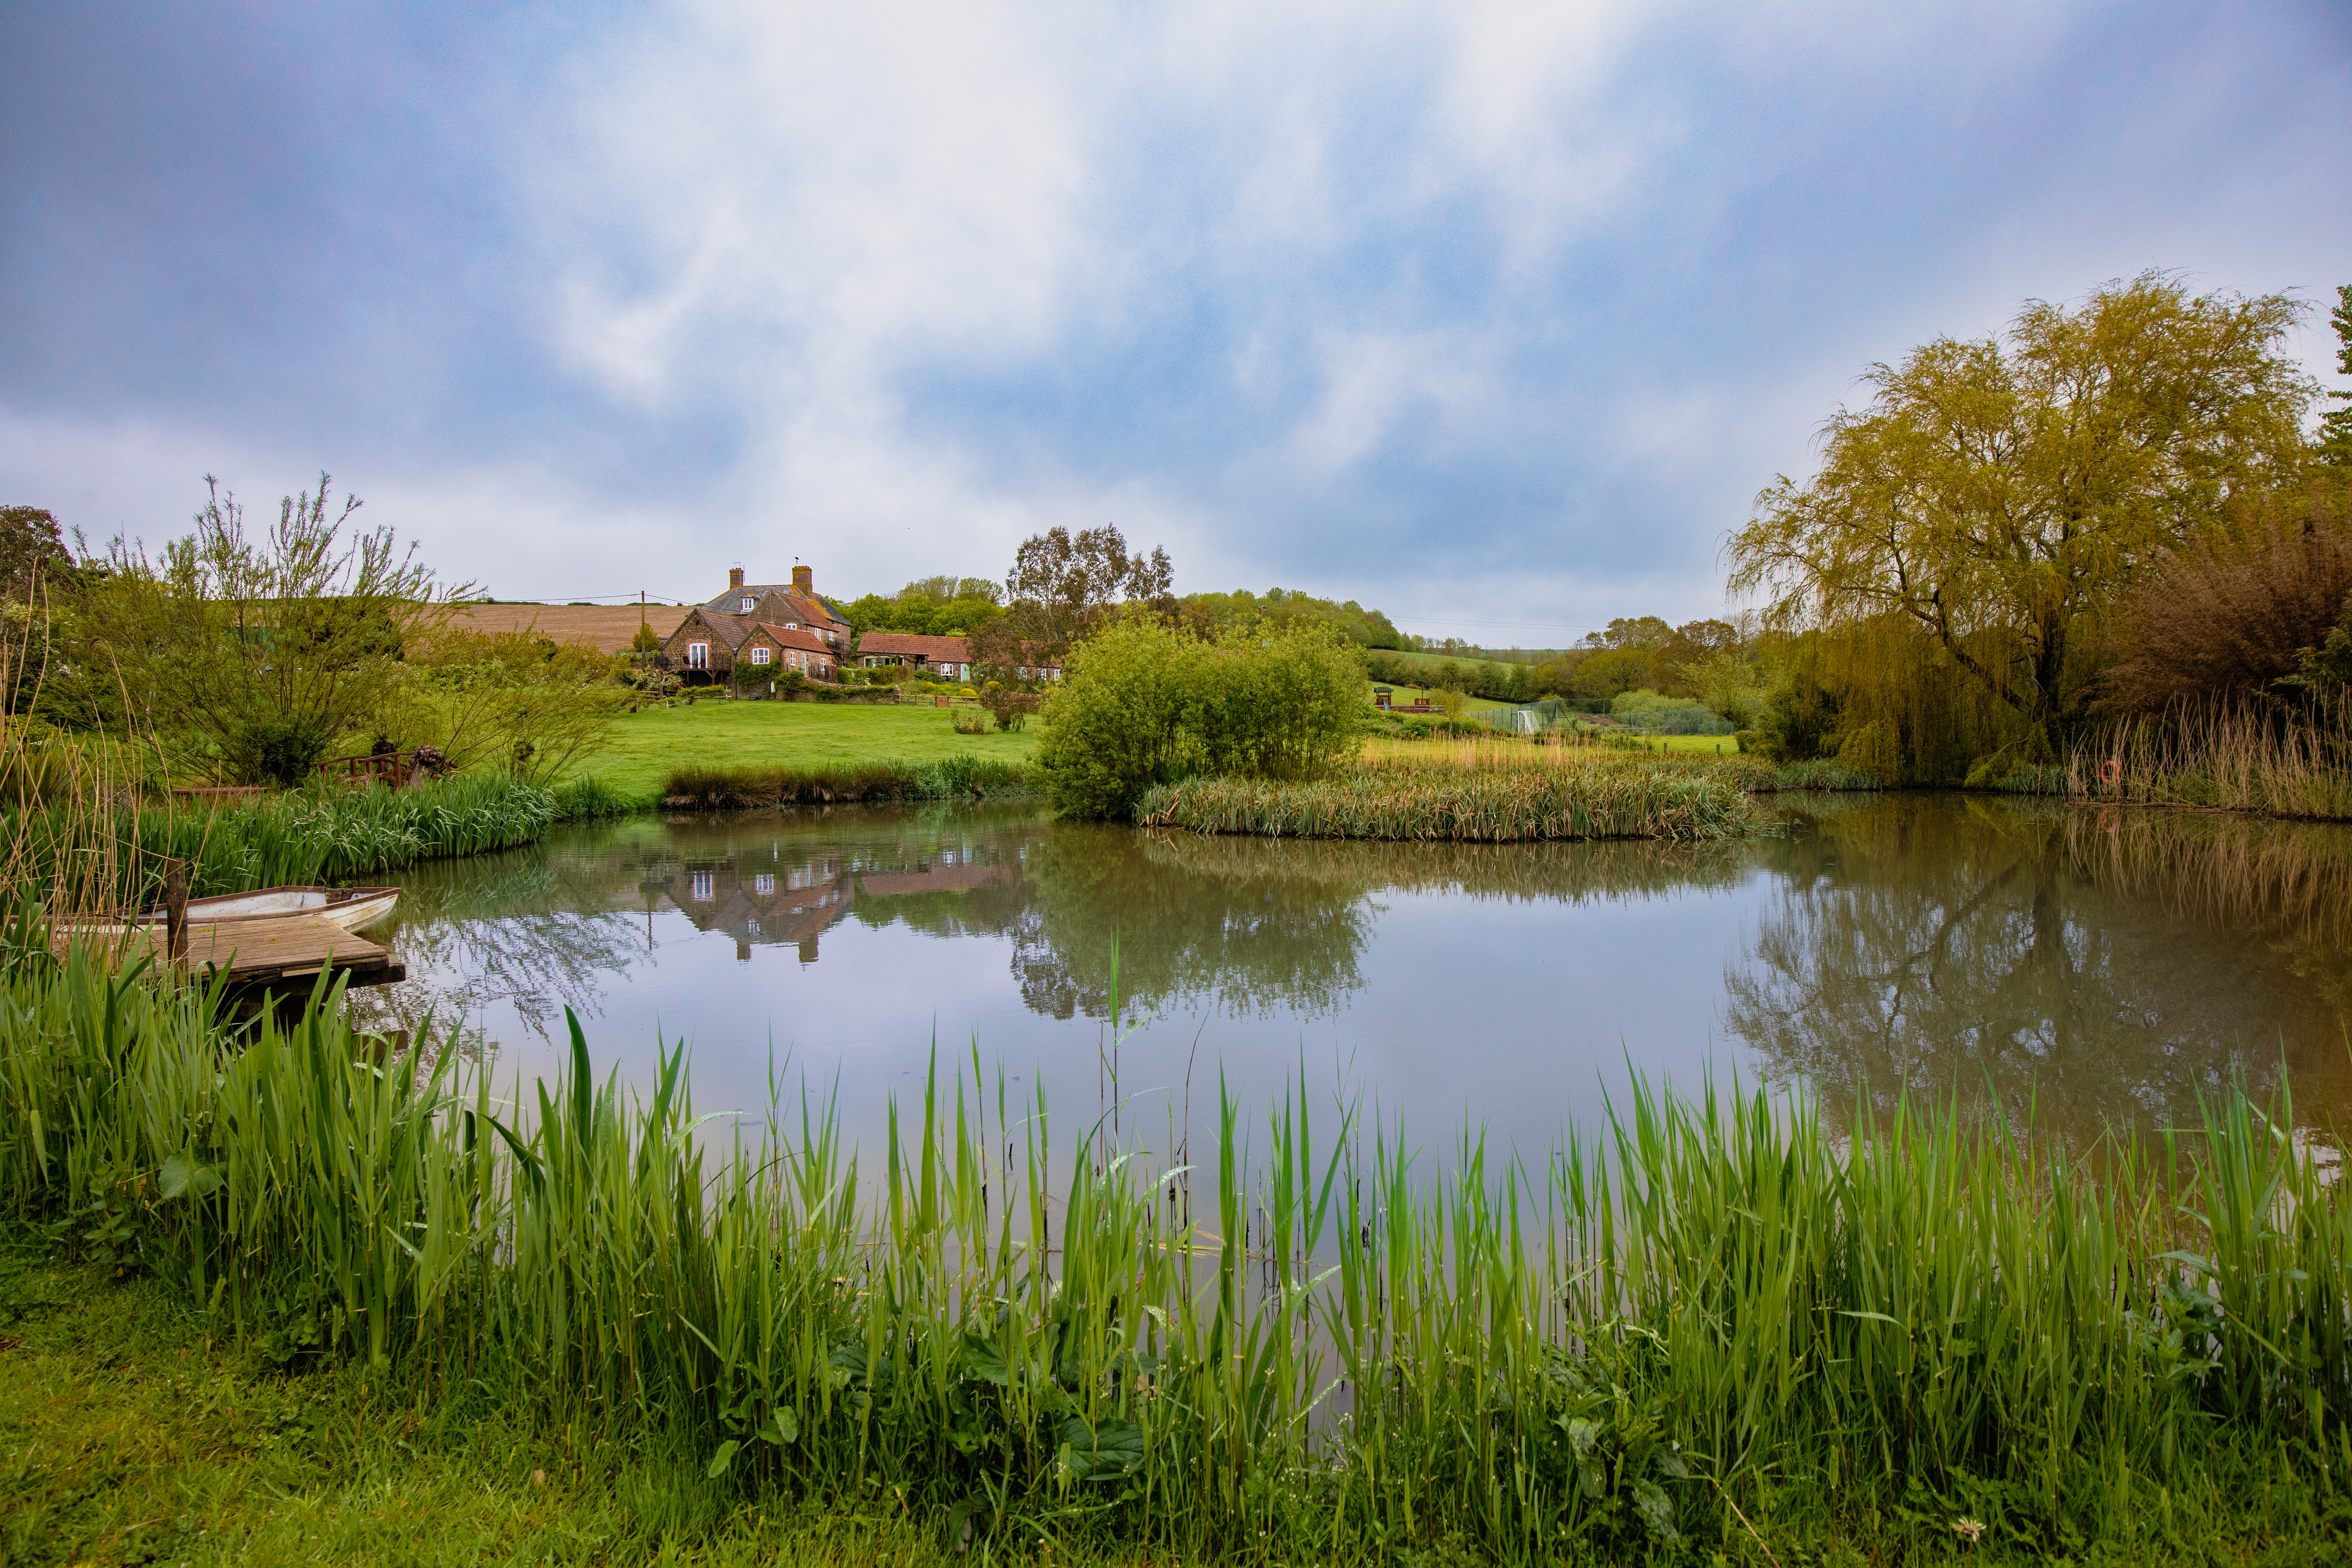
[
  {"x": 1612, "y": 671},
  {"x": 1645, "y": 632},
  {"x": 262, "y": 653},
  {"x": 1063, "y": 588},
  {"x": 2001, "y": 496},
  {"x": 2336, "y": 424},
  {"x": 1214, "y": 614},
  {"x": 645, "y": 642},
  {"x": 30, "y": 542}
]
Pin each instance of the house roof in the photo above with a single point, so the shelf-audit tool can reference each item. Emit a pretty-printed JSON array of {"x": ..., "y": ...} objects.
[
  {"x": 914, "y": 644},
  {"x": 798, "y": 606},
  {"x": 729, "y": 629},
  {"x": 800, "y": 637}
]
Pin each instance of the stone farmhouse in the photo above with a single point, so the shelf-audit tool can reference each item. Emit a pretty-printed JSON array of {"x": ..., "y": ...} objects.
[{"x": 767, "y": 628}]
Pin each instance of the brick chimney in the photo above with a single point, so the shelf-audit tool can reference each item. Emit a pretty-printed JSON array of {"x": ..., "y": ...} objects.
[
  {"x": 735, "y": 576},
  {"x": 803, "y": 583}
]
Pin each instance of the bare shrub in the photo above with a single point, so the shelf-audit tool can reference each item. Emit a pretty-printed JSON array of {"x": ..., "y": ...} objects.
[{"x": 2233, "y": 611}]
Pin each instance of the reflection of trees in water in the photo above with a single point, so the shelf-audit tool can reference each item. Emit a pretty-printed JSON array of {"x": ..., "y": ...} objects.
[
  {"x": 1262, "y": 943},
  {"x": 2017, "y": 949},
  {"x": 1262, "y": 924},
  {"x": 1251, "y": 925},
  {"x": 528, "y": 927}
]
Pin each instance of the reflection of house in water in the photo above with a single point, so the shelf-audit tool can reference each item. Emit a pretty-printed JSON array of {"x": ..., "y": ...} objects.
[{"x": 756, "y": 898}]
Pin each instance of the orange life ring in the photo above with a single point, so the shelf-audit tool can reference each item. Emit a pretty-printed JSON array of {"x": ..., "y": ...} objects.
[{"x": 2110, "y": 771}]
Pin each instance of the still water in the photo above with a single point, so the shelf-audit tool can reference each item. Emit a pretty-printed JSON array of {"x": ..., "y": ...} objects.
[{"x": 2094, "y": 967}]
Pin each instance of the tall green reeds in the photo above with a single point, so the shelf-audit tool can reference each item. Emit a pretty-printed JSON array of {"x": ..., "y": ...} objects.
[
  {"x": 322, "y": 835},
  {"x": 1713, "y": 1321}
]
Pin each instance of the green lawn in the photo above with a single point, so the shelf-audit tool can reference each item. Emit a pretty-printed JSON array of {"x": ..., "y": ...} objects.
[
  {"x": 129, "y": 1432},
  {"x": 644, "y": 746}
]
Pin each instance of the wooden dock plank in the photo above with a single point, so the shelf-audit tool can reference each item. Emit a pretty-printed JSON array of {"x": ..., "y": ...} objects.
[{"x": 257, "y": 951}]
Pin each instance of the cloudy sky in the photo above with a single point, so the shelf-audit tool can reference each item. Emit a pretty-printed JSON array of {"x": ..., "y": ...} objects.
[{"x": 1495, "y": 316}]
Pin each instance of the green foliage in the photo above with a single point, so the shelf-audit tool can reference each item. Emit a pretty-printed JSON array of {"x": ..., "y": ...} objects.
[
  {"x": 277, "y": 750},
  {"x": 2000, "y": 497},
  {"x": 700, "y": 787},
  {"x": 514, "y": 701},
  {"x": 1717, "y": 1317},
  {"x": 1282, "y": 608},
  {"x": 324, "y": 834},
  {"x": 1143, "y": 703},
  {"x": 917, "y": 612},
  {"x": 2335, "y": 424},
  {"x": 245, "y": 650}
]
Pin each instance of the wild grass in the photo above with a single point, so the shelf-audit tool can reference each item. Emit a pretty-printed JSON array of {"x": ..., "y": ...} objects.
[
  {"x": 702, "y": 788},
  {"x": 2226, "y": 754},
  {"x": 1713, "y": 1326}
]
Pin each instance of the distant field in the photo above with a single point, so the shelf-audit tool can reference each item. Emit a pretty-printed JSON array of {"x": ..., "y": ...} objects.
[
  {"x": 645, "y": 746},
  {"x": 609, "y": 626}
]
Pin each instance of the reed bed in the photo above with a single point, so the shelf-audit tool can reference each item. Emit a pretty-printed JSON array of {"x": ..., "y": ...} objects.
[
  {"x": 113, "y": 848},
  {"x": 1435, "y": 810},
  {"x": 2227, "y": 755},
  {"x": 1464, "y": 791},
  {"x": 700, "y": 788},
  {"x": 1711, "y": 1322}
]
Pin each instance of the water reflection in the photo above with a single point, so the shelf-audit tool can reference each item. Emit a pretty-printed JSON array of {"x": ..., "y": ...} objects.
[
  {"x": 2102, "y": 969},
  {"x": 2097, "y": 969}
]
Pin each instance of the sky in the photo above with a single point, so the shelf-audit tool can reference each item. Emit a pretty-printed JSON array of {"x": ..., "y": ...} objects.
[{"x": 1494, "y": 316}]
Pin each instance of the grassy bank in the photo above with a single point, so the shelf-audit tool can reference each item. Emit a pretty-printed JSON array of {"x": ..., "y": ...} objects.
[
  {"x": 1715, "y": 1328},
  {"x": 647, "y": 748}
]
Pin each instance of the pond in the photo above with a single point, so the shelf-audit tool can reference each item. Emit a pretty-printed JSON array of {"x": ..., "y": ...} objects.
[{"x": 2090, "y": 967}]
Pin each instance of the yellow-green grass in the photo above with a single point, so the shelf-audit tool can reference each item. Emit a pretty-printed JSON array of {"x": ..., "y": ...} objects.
[
  {"x": 1402, "y": 695},
  {"x": 647, "y": 747},
  {"x": 1693, "y": 745}
]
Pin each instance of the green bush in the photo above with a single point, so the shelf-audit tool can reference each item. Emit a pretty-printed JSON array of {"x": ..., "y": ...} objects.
[
  {"x": 281, "y": 751},
  {"x": 1143, "y": 704}
]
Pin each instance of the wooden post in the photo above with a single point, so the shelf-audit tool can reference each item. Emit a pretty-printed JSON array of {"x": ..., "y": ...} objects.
[{"x": 175, "y": 914}]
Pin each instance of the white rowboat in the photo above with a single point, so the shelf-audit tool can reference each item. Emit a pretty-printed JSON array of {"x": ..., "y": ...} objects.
[{"x": 354, "y": 909}]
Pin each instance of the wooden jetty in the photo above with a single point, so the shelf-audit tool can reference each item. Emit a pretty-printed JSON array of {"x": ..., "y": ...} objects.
[{"x": 283, "y": 952}]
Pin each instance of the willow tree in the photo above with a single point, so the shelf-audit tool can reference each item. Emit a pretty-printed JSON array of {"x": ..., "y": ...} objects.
[{"x": 2001, "y": 496}]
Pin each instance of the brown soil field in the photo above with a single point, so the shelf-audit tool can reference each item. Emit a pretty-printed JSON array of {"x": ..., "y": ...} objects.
[{"x": 609, "y": 626}]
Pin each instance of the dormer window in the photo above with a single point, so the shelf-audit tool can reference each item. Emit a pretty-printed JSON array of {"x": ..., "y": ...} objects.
[
  {"x": 748, "y": 602},
  {"x": 792, "y": 625}
]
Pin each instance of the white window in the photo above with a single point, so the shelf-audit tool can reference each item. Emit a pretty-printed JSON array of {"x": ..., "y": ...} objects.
[
  {"x": 759, "y": 655},
  {"x": 697, "y": 656},
  {"x": 701, "y": 886},
  {"x": 748, "y": 603},
  {"x": 763, "y": 883},
  {"x": 792, "y": 625}
]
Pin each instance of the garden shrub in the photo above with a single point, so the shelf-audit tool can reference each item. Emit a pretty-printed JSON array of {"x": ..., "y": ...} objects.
[{"x": 1144, "y": 703}]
